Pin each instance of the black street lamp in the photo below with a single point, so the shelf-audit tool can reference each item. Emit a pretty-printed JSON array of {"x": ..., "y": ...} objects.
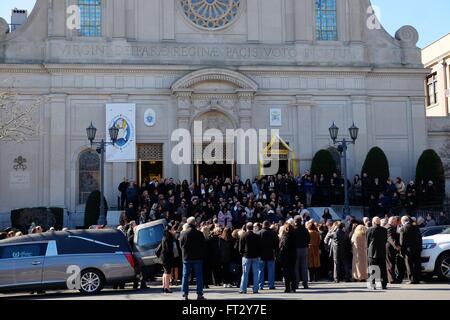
[
  {"x": 91, "y": 132},
  {"x": 342, "y": 146}
]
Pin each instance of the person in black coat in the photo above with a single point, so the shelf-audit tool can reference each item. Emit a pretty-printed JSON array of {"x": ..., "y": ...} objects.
[
  {"x": 411, "y": 248},
  {"x": 123, "y": 186},
  {"x": 167, "y": 257},
  {"x": 393, "y": 252},
  {"x": 192, "y": 244},
  {"x": 288, "y": 257},
  {"x": 337, "y": 241},
  {"x": 302, "y": 240},
  {"x": 130, "y": 212},
  {"x": 377, "y": 238},
  {"x": 214, "y": 257},
  {"x": 250, "y": 250},
  {"x": 226, "y": 244},
  {"x": 269, "y": 247}
]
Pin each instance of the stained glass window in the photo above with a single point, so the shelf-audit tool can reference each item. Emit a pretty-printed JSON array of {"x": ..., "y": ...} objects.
[
  {"x": 90, "y": 18},
  {"x": 211, "y": 14},
  {"x": 89, "y": 174},
  {"x": 326, "y": 20}
]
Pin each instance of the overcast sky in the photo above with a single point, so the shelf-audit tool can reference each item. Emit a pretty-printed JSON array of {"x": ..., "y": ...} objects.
[{"x": 430, "y": 18}]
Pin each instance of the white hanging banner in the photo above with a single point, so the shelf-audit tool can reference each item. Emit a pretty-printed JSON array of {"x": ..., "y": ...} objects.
[{"x": 123, "y": 117}]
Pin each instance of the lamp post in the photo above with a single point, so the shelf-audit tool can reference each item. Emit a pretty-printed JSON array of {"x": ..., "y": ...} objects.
[
  {"x": 113, "y": 134},
  {"x": 342, "y": 146}
]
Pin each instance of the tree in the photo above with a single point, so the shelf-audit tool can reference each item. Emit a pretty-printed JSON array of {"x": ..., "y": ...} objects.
[
  {"x": 376, "y": 165},
  {"x": 430, "y": 168},
  {"x": 323, "y": 163},
  {"x": 92, "y": 211},
  {"x": 16, "y": 117}
]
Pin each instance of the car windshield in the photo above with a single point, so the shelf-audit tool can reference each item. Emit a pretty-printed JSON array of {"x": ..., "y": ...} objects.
[
  {"x": 150, "y": 237},
  {"x": 446, "y": 231}
]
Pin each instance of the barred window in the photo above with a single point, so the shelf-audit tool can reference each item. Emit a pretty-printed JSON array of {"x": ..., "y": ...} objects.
[
  {"x": 90, "y": 18},
  {"x": 326, "y": 20}
]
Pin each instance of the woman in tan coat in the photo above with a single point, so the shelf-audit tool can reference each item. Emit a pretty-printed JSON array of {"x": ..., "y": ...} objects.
[
  {"x": 314, "y": 252},
  {"x": 359, "y": 248}
]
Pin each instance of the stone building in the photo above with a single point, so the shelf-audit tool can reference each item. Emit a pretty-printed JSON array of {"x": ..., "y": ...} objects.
[
  {"x": 436, "y": 58},
  {"x": 229, "y": 62}
]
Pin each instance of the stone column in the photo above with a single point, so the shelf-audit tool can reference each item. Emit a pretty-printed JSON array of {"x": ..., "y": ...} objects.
[
  {"x": 108, "y": 19},
  {"x": 57, "y": 19},
  {"x": 168, "y": 20},
  {"x": 358, "y": 18},
  {"x": 443, "y": 87},
  {"x": 131, "y": 20},
  {"x": 304, "y": 149},
  {"x": 343, "y": 20},
  {"x": 253, "y": 20},
  {"x": 119, "y": 14},
  {"x": 304, "y": 20},
  {"x": 56, "y": 134},
  {"x": 183, "y": 122},
  {"x": 247, "y": 170}
]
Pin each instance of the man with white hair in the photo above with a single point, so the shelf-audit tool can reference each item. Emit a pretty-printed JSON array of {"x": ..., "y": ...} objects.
[
  {"x": 393, "y": 258},
  {"x": 376, "y": 243},
  {"x": 192, "y": 243},
  {"x": 411, "y": 248},
  {"x": 250, "y": 250},
  {"x": 367, "y": 222}
]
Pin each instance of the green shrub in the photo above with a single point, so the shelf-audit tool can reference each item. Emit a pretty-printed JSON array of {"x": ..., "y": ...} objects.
[
  {"x": 59, "y": 217},
  {"x": 22, "y": 219},
  {"x": 376, "y": 165},
  {"x": 323, "y": 163},
  {"x": 15, "y": 217},
  {"x": 92, "y": 211},
  {"x": 430, "y": 168}
]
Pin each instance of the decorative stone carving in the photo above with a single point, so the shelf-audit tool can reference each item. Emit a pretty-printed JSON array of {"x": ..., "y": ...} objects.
[
  {"x": 4, "y": 27},
  {"x": 215, "y": 74},
  {"x": 215, "y": 120},
  {"x": 408, "y": 36},
  {"x": 20, "y": 163}
]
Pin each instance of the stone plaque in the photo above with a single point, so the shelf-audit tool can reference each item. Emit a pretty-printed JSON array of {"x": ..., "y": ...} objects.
[{"x": 19, "y": 180}]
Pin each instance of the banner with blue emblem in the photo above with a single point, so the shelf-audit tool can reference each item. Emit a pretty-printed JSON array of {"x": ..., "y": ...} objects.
[{"x": 123, "y": 117}]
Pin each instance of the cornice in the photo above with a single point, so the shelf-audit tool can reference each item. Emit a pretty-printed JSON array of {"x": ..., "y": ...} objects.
[{"x": 183, "y": 70}]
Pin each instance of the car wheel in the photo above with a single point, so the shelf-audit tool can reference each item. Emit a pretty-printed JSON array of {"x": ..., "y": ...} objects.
[
  {"x": 91, "y": 282},
  {"x": 443, "y": 266}
]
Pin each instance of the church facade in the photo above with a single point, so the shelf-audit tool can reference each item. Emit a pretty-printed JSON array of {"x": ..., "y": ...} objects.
[{"x": 293, "y": 65}]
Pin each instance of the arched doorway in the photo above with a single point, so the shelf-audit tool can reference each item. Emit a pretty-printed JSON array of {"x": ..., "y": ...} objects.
[{"x": 213, "y": 154}]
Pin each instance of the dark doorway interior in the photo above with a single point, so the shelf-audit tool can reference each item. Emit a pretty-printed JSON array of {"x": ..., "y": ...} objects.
[
  {"x": 151, "y": 170},
  {"x": 211, "y": 171},
  {"x": 283, "y": 167}
]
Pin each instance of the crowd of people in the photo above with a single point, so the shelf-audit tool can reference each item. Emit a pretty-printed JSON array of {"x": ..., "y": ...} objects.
[
  {"x": 226, "y": 232},
  {"x": 273, "y": 198},
  {"x": 298, "y": 251},
  {"x": 230, "y": 233},
  {"x": 32, "y": 230}
]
